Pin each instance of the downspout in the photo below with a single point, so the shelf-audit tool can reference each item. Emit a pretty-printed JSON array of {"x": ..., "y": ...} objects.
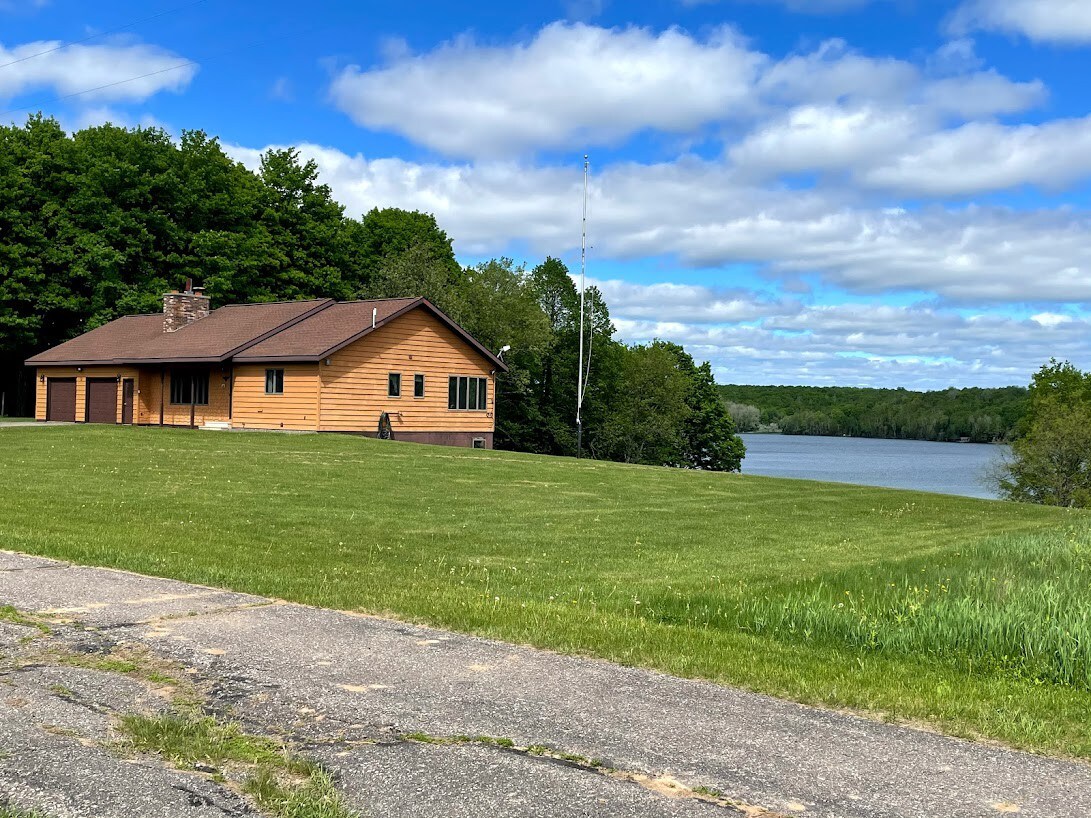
[
  {"x": 230, "y": 391},
  {"x": 162, "y": 390}
]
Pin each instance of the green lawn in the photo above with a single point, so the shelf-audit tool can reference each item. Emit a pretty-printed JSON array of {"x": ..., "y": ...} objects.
[{"x": 968, "y": 615}]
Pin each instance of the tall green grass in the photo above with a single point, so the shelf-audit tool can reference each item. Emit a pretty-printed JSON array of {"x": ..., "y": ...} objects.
[{"x": 1016, "y": 604}]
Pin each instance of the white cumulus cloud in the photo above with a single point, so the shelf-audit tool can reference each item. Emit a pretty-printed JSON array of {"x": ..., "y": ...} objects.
[
  {"x": 874, "y": 344},
  {"x": 690, "y": 303},
  {"x": 703, "y": 214},
  {"x": 569, "y": 84},
  {"x": 1057, "y": 21},
  {"x": 818, "y": 138},
  {"x": 986, "y": 156},
  {"x": 78, "y": 68}
]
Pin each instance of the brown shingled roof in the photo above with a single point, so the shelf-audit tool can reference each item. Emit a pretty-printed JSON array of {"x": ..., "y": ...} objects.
[
  {"x": 280, "y": 331},
  {"x": 325, "y": 332},
  {"x": 312, "y": 338},
  {"x": 217, "y": 337}
]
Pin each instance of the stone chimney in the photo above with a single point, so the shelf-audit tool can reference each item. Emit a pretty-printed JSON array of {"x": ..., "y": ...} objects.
[{"x": 184, "y": 308}]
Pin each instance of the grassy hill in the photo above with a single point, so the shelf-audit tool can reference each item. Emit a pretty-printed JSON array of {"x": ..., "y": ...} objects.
[{"x": 968, "y": 615}]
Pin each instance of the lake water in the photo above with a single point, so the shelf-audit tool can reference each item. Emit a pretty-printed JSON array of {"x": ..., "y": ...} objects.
[{"x": 947, "y": 468}]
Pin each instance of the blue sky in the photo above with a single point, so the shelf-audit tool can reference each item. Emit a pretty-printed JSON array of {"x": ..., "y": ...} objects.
[{"x": 872, "y": 192}]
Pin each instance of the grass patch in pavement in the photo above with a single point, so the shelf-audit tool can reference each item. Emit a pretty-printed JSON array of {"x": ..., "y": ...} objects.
[
  {"x": 284, "y": 784},
  {"x": 15, "y": 812},
  {"x": 127, "y": 661},
  {"x": 967, "y": 615},
  {"x": 16, "y": 617}
]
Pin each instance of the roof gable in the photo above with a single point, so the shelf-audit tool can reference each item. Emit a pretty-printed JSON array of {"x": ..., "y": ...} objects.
[
  {"x": 323, "y": 334},
  {"x": 276, "y": 331}
]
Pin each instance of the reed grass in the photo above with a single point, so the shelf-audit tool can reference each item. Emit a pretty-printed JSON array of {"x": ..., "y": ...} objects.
[{"x": 1018, "y": 605}]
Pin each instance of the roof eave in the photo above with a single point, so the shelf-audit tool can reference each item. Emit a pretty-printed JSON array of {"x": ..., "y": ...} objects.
[
  {"x": 126, "y": 361},
  {"x": 274, "y": 359}
]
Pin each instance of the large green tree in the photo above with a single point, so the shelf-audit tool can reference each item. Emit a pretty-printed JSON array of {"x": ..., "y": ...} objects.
[
  {"x": 387, "y": 233},
  {"x": 555, "y": 368},
  {"x": 306, "y": 226},
  {"x": 647, "y": 420},
  {"x": 1051, "y": 462},
  {"x": 710, "y": 441},
  {"x": 499, "y": 309}
]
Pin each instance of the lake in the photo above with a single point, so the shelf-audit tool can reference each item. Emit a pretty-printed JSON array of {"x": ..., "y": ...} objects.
[{"x": 946, "y": 468}]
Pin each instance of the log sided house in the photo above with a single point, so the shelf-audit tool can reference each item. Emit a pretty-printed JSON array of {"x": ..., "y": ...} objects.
[{"x": 394, "y": 366}]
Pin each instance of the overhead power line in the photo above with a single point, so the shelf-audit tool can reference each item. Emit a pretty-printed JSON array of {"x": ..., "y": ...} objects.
[
  {"x": 103, "y": 33},
  {"x": 185, "y": 64}
]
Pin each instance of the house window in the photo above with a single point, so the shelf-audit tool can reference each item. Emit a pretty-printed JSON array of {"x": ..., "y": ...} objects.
[
  {"x": 394, "y": 384},
  {"x": 479, "y": 443},
  {"x": 274, "y": 381},
  {"x": 188, "y": 388},
  {"x": 418, "y": 386},
  {"x": 467, "y": 393}
]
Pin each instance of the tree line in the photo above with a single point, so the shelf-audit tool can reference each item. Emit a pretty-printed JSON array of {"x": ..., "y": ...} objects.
[
  {"x": 978, "y": 415},
  {"x": 99, "y": 223}
]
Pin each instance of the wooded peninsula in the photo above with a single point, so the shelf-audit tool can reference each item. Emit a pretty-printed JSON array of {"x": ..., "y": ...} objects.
[{"x": 974, "y": 414}]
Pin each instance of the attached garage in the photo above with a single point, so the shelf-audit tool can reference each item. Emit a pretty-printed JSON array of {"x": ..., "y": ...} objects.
[
  {"x": 102, "y": 400},
  {"x": 61, "y": 399}
]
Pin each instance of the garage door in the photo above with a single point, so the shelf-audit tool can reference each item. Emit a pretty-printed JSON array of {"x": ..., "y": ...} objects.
[
  {"x": 61, "y": 399},
  {"x": 101, "y": 400}
]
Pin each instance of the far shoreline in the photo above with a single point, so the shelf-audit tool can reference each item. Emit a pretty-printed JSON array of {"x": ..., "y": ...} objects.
[{"x": 767, "y": 433}]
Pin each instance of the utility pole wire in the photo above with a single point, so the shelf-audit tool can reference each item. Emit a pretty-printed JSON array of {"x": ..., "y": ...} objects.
[
  {"x": 185, "y": 64},
  {"x": 102, "y": 33}
]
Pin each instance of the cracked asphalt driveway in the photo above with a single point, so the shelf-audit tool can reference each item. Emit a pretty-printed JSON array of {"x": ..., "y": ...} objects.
[{"x": 383, "y": 705}]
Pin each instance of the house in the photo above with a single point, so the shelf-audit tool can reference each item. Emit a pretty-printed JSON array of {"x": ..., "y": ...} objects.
[{"x": 319, "y": 365}]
